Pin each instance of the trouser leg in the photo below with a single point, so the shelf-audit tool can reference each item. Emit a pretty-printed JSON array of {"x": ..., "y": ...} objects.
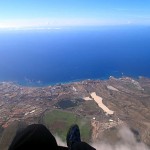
[
  {"x": 81, "y": 146},
  {"x": 35, "y": 136}
]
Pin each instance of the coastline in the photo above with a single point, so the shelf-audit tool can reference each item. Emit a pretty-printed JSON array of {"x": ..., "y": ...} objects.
[
  {"x": 36, "y": 84},
  {"x": 114, "y": 101}
]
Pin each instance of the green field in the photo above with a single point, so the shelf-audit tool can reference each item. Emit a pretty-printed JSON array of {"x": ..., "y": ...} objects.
[{"x": 59, "y": 122}]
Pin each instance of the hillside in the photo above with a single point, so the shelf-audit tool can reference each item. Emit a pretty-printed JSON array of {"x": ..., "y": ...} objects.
[{"x": 100, "y": 107}]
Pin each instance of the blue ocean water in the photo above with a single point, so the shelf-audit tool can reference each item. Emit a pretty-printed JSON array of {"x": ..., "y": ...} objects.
[{"x": 41, "y": 57}]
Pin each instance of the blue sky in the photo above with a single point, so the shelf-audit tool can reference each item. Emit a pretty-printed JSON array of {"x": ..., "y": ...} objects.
[{"x": 23, "y": 13}]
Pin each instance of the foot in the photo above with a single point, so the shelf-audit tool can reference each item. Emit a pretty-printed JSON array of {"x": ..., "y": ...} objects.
[{"x": 73, "y": 135}]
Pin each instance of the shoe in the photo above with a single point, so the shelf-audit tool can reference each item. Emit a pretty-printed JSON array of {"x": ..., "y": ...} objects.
[{"x": 73, "y": 135}]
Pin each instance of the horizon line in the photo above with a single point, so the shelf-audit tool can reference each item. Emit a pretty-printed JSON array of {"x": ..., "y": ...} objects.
[{"x": 64, "y": 27}]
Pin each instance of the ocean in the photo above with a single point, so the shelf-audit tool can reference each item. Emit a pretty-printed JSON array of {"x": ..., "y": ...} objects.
[{"x": 50, "y": 56}]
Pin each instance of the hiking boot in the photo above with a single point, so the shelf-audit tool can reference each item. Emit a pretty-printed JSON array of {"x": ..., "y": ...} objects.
[{"x": 73, "y": 135}]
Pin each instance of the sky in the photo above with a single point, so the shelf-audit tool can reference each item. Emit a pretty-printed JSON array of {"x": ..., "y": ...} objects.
[{"x": 55, "y": 13}]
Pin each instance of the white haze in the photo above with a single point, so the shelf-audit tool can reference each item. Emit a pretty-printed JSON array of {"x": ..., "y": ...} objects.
[
  {"x": 127, "y": 142},
  {"x": 60, "y": 141}
]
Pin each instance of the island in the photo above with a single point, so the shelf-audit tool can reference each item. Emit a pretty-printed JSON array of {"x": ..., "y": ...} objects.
[{"x": 100, "y": 107}]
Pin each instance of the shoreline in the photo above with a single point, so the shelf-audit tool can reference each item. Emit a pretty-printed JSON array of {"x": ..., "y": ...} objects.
[{"x": 35, "y": 84}]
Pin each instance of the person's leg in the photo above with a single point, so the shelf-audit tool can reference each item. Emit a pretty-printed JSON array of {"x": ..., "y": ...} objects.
[
  {"x": 35, "y": 136},
  {"x": 73, "y": 135},
  {"x": 74, "y": 141},
  {"x": 82, "y": 146}
]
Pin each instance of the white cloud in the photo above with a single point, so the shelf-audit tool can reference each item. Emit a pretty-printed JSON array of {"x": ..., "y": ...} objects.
[{"x": 128, "y": 142}]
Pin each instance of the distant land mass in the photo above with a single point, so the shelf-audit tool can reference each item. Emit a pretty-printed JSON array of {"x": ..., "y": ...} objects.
[{"x": 100, "y": 107}]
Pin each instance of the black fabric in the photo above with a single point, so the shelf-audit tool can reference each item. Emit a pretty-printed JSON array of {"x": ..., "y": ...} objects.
[
  {"x": 34, "y": 137},
  {"x": 81, "y": 146},
  {"x": 38, "y": 137}
]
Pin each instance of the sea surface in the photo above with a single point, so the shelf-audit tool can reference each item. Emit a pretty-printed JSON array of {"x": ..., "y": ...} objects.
[{"x": 50, "y": 56}]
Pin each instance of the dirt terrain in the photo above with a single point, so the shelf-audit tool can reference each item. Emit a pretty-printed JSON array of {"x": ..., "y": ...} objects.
[{"x": 107, "y": 104}]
